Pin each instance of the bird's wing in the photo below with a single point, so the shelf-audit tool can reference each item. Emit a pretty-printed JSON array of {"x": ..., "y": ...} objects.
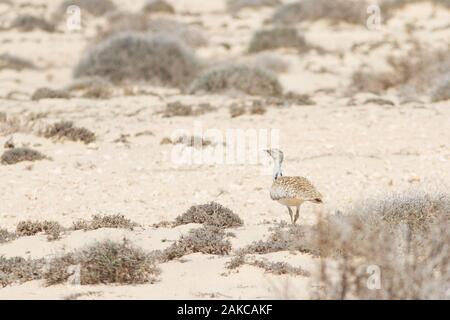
[{"x": 294, "y": 188}]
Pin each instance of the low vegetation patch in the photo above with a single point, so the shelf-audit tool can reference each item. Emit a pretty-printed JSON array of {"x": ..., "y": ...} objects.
[
  {"x": 234, "y": 6},
  {"x": 26, "y": 23},
  {"x": 47, "y": 93},
  {"x": 212, "y": 214},
  {"x": 237, "y": 77},
  {"x": 105, "y": 221},
  {"x": 6, "y": 236},
  {"x": 52, "y": 229},
  {"x": 179, "y": 109},
  {"x": 158, "y": 59},
  {"x": 404, "y": 235},
  {"x": 17, "y": 270},
  {"x": 420, "y": 72},
  {"x": 67, "y": 130},
  {"x": 208, "y": 240},
  {"x": 8, "y": 61},
  {"x": 102, "y": 263},
  {"x": 16, "y": 155},
  {"x": 311, "y": 10},
  {"x": 190, "y": 141},
  {"x": 158, "y": 6},
  {"x": 140, "y": 23},
  {"x": 280, "y": 37}
]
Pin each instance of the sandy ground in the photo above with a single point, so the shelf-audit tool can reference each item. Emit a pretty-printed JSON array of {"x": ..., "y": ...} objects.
[{"x": 348, "y": 151}]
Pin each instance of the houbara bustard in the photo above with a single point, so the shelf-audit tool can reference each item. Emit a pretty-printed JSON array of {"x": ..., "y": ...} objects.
[{"x": 290, "y": 191}]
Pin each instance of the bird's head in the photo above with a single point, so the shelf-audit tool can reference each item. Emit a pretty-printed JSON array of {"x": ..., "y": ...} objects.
[{"x": 276, "y": 154}]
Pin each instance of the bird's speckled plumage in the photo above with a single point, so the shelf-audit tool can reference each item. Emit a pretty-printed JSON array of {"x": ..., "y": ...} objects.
[{"x": 298, "y": 188}]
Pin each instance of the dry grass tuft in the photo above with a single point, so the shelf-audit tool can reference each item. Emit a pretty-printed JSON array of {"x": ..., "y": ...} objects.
[
  {"x": 47, "y": 93},
  {"x": 27, "y": 23},
  {"x": 105, "y": 221},
  {"x": 158, "y": 59},
  {"x": 212, "y": 214},
  {"x": 141, "y": 23},
  {"x": 8, "y": 61},
  {"x": 270, "y": 39},
  {"x": 278, "y": 268},
  {"x": 234, "y": 6},
  {"x": 102, "y": 263},
  {"x": 158, "y": 6},
  {"x": 190, "y": 141},
  {"x": 18, "y": 270},
  {"x": 178, "y": 109},
  {"x": 310, "y": 10},
  {"x": 29, "y": 228},
  {"x": 93, "y": 7},
  {"x": 16, "y": 155},
  {"x": 420, "y": 71},
  {"x": 237, "y": 77},
  {"x": 208, "y": 240},
  {"x": 66, "y": 130}
]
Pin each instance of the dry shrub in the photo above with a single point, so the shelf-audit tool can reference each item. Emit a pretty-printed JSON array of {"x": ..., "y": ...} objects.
[
  {"x": 117, "y": 221},
  {"x": 93, "y": 7},
  {"x": 213, "y": 214},
  {"x": 47, "y": 93},
  {"x": 8, "y": 61},
  {"x": 310, "y": 10},
  {"x": 285, "y": 238},
  {"x": 13, "y": 156},
  {"x": 208, "y": 240},
  {"x": 236, "y": 5},
  {"x": 13, "y": 124},
  {"x": 141, "y": 23},
  {"x": 420, "y": 71},
  {"x": 158, "y": 6},
  {"x": 441, "y": 90},
  {"x": 404, "y": 236},
  {"x": 17, "y": 270},
  {"x": 178, "y": 109},
  {"x": 237, "y": 77},
  {"x": 29, "y": 228},
  {"x": 190, "y": 141},
  {"x": 102, "y": 263},
  {"x": 255, "y": 108},
  {"x": 270, "y": 39},
  {"x": 26, "y": 23},
  {"x": 66, "y": 130},
  {"x": 278, "y": 268},
  {"x": 6, "y": 236},
  {"x": 158, "y": 59},
  {"x": 269, "y": 62},
  {"x": 91, "y": 87},
  {"x": 388, "y": 6}
]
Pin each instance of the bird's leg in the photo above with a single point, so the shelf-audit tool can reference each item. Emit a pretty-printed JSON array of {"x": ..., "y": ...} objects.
[
  {"x": 297, "y": 213},
  {"x": 291, "y": 214}
]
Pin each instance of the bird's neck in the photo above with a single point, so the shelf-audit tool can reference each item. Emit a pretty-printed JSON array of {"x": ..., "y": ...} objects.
[{"x": 277, "y": 170}]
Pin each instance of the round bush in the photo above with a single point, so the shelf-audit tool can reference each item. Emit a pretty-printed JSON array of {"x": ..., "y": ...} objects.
[{"x": 158, "y": 59}]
